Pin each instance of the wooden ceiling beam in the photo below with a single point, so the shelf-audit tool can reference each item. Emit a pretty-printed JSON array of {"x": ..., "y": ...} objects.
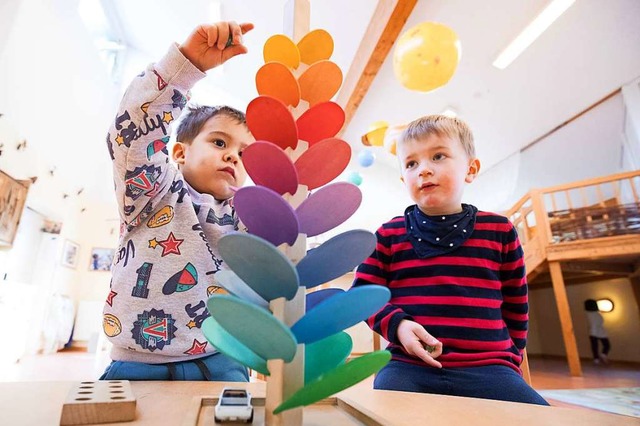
[{"x": 386, "y": 23}]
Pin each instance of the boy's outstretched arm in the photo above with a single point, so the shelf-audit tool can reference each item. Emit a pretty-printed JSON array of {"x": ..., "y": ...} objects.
[
  {"x": 137, "y": 139},
  {"x": 211, "y": 45}
]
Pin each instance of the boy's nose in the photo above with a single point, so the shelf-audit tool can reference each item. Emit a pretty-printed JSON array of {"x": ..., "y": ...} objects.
[
  {"x": 426, "y": 170},
  {"x": 231, "y": 157}
]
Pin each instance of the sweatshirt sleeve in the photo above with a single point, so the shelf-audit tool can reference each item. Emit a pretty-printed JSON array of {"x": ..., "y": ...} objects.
[
  {"x": 515, "y": 305},
  {"x": 138, "y": 137},
  {"x": 374, "y": 270}
]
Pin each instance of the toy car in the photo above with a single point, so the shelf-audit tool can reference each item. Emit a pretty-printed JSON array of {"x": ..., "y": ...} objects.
[{"x": 234, "y": 405}]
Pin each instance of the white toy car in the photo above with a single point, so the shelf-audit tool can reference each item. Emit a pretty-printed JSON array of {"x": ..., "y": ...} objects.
[{"x": 234, "y": 405}]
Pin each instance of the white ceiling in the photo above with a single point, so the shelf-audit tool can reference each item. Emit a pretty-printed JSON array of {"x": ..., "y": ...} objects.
[{"x": 590, "y": 51}]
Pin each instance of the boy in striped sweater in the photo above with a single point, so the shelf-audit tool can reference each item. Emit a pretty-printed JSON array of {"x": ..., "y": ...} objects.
[{"x": 457, "y": 318}]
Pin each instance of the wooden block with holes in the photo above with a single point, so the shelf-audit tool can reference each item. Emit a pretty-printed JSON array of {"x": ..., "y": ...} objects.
[{"x": 99, "y": 402}]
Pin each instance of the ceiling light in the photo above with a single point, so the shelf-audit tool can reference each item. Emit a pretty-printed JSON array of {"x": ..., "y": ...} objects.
[
  {"x": 532, "y": 32},
  {"x": 605, "y": 305}
]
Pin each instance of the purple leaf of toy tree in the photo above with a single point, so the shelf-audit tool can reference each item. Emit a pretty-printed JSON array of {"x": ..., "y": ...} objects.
[
  {"x": 266, "y": 214},
  {"x": 328, "y": 207}
]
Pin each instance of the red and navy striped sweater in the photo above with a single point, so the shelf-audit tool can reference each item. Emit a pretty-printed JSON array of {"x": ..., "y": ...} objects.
[{"x": 474, "y": 299}]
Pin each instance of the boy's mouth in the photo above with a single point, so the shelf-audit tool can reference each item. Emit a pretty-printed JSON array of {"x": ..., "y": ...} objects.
[
  {"x": 428, "y": 185},
  {"x": 230, "y": 171}
]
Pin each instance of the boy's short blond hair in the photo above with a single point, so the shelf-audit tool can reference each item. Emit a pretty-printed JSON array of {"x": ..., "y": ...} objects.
[{"x": 442, "y": 126}]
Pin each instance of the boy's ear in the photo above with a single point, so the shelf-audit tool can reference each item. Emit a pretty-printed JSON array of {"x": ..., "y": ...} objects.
[
  {"x": 178, "y": 152},
  {"x": 474, "y": 169}
]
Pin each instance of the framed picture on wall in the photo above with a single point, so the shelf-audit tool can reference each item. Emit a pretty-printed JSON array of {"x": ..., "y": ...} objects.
[
  {"x": 70, "y": 252},
  {"x": 101, "y": 259},
  {"x": 13, "y": 194}
]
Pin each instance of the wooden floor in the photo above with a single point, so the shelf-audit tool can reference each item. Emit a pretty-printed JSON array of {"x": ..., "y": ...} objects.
[{"x": 553, "y": 373}]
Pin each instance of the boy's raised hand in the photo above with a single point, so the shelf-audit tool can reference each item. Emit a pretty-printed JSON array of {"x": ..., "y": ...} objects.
[
  {"x": 210, "y": 45},
  {"x": 414, "y": 337}
]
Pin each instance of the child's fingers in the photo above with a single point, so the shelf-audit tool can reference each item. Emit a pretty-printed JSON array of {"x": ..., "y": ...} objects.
[
  {"x": 235, "y": 34},
  {"x": 417, "y": 349},
  {"x": 223, "y": 34},
  {"x": 232, "y": 51},
  {"x": 245, "y": 27},
  {"x": 211, "y": 32},
  {"x": 432, "y": 345},
  {"x": 427, "y": 358}
]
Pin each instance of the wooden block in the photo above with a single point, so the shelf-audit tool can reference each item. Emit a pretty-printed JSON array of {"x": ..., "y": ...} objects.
[{"x": 99, "y": 402}]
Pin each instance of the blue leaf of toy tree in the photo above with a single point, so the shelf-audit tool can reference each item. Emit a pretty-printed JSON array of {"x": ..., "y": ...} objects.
[
  {"x": 254, "y": 327},
  {"x": 260, "y": 265},
  {"x": 336, "y": 257},
  {"x": 326, "y": 354},
  {"x": 340, "y": 312},
  {"x": 231, "y": 347}
]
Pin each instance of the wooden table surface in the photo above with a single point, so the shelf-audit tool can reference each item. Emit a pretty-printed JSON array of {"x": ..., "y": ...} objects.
[{"x": 168, "y": 403}]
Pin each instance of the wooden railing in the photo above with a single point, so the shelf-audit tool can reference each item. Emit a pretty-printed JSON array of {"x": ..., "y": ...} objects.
[{"x": 593, "y": 208}]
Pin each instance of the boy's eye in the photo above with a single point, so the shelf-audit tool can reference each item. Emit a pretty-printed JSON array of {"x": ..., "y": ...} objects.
[
  {"x": 410, "y": 164},
  {"x": 438, "y": 157},
  {"x": 219, "y": 143}
]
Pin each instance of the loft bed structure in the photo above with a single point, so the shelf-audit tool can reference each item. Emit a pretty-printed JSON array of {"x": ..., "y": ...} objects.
[{"x": 577, "y": 233}]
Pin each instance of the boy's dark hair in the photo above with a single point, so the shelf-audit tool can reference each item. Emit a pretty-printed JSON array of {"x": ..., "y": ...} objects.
[
  {"x": 590, "y": 305},
  {"x": 191, "y": 124}
]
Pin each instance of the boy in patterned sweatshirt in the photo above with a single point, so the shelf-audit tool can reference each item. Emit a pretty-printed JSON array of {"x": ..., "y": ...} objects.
[
  {"x": 457, "y": 318},
  {"x": 172, "y": 218}
]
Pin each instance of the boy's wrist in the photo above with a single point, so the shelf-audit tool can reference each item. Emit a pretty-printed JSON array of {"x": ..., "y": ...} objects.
[{"x": 176, "y": 68}]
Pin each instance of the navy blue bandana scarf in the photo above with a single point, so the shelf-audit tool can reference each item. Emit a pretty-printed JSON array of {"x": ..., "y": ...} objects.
[{"x": 437, "y": 235}]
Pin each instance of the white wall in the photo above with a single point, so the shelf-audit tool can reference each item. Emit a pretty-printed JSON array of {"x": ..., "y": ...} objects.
[
  {"x": 622, "y": 324},
  {"x": 55, "y": 92}
]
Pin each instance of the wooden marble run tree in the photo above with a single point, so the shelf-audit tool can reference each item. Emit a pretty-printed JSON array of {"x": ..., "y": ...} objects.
[{"x": 268, "y": 322}]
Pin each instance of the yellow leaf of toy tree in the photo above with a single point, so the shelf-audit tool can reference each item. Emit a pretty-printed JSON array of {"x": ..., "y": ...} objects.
[
  {"x": 315, "y": 46},
  {"x": 280, "y": 48}
]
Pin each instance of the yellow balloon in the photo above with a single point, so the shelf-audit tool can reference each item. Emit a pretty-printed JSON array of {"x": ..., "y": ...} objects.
[
  {"x": 375, "y": 135},
  {"x": 426, "y": 56}
]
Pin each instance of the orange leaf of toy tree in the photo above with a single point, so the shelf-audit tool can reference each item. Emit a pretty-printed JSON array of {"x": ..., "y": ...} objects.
[
  {"x": 315, "y": 46},
  {"x": 323, "y": 162},
  {"x": 280, "y": 48},
  {"x": 320, "y": 82},
  {"x": 276, "y": 80},
  {"x": 322, "y": 121},
  {"x": 269, "y": 119}
]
